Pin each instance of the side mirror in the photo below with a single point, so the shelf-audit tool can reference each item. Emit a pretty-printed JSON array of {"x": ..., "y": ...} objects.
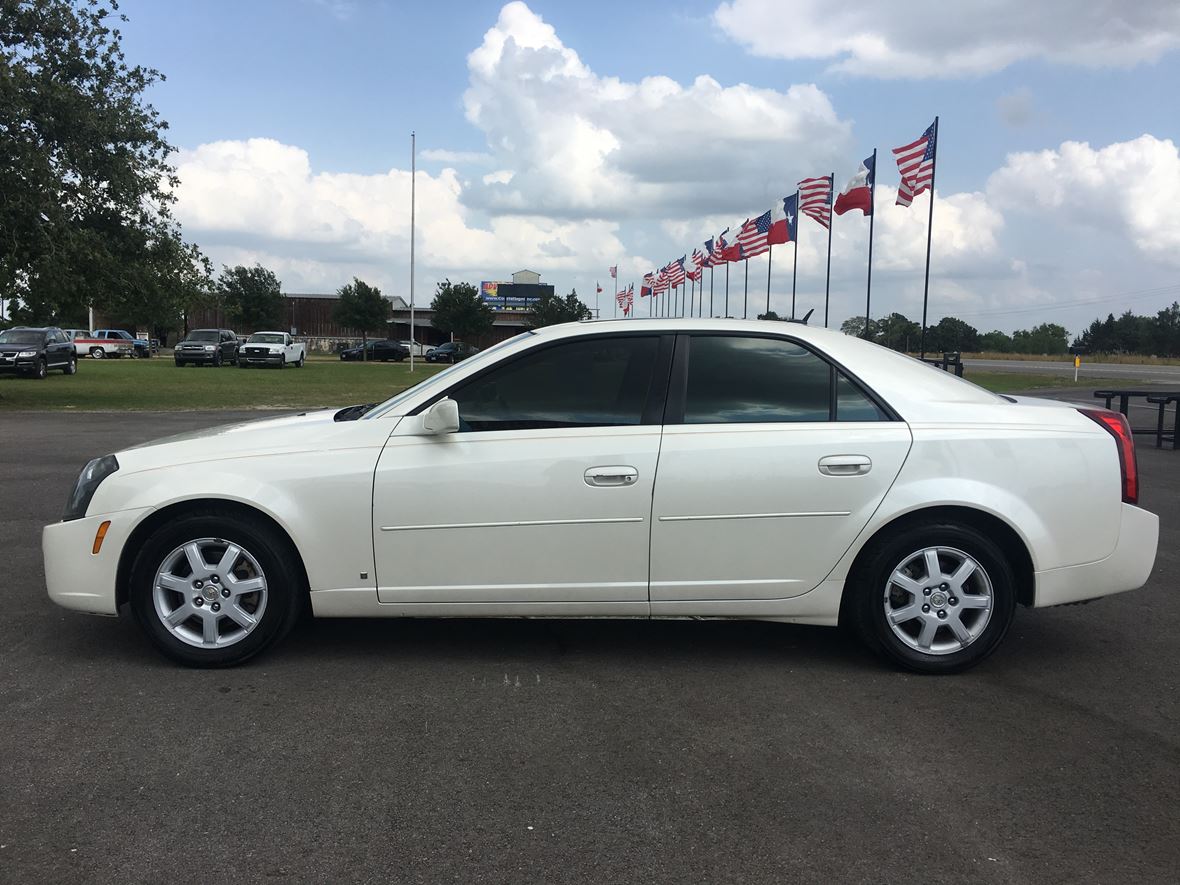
[{"x": 442, "y": 417}]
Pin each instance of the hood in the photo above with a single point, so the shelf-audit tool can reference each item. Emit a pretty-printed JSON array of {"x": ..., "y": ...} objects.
[{"x": 247, "y": 435}]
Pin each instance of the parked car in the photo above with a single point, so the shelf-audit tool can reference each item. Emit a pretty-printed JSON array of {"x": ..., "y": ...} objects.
[
  {"x": 383, "y": 351},
  {"x": 451, "y": 352},
  {"x": 272, "y": 349},
  {"x": 34, "y": 351},
  {"x": 416, "y": 347},
  {"x": 140, "y": 348},
  {"x": 210, "y": 347},
  {"x": 87, "y": 343},
  {"x": 804, "y": 476}
]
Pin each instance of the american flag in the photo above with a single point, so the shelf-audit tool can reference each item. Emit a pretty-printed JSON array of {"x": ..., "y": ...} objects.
[
  {"x": 661, "y": 283},
  {"x": 815, "y": 199},
  {"x": 714, "y": 249},
  {"x": 915, "y": 162},
  {"x": 676, "y": 272},
  {"x": 753, "y": 237},
  {"x": 614, "y": 272},
  {"x": 698, "y": 263},
  {"x": 626, "y": 299}
]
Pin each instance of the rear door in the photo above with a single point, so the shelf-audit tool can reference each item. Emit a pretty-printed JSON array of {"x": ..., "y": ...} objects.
[{"x": 773, "y": 460}]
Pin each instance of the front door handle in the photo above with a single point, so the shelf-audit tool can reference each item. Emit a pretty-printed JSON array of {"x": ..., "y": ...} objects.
[
  {"x": 619, "y": 475},
  {"x": 845, "y": 465}
]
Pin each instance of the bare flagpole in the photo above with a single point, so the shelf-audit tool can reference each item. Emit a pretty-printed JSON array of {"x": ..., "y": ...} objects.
[
  {"x": 795, "y": 267},
  {"x": 872, "y": 216},
  {"x": 746, "y": 295},
  {"x": 769, "y": 263},
  {"x": 727, "y": 289},
  {"x": 711, "y": 269},
  {"x": 413, "y": 183},
  {"x": 929, "y": 235},
  {"x": 831, "y": 221}
]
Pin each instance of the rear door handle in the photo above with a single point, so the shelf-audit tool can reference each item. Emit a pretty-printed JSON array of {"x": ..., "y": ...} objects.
[
  {"x": 618, "y": 475},
  {"x": 845, "y": 465}
]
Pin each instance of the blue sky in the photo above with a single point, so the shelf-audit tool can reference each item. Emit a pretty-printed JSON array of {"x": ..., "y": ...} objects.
[{"x": 345, "y": 82}]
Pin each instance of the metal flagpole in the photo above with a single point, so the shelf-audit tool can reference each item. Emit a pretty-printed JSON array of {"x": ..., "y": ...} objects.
[
  {"x": 727, "y": 289},
  {"x": 711, "y": 269},
  {"x": 929, "y": 235},
  {"x": 831, "y": 221},
  {"x": 746, "y": 294},
  {"x": 872, "y": 216},
  {"x": 795, "y": 267},
  {"x": 413, "y": 177},
  {"x": 769, "y": 264}
]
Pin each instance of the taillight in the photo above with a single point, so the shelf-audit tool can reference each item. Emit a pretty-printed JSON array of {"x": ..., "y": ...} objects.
[{"x": 1116, "y": 424}]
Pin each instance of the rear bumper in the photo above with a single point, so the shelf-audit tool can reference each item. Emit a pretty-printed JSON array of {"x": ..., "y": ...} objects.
[
  {"x": 75, "y": 577},
  {"x": 1127, "y": 568}
]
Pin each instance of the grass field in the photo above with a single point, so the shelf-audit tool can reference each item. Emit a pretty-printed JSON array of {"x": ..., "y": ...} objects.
[{"x": 157, "y": 384}]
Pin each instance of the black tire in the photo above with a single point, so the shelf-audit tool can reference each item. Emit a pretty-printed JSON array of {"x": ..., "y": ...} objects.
[
  {"x": 865, "y": 595},
  {"x": 299, "y": 362},
  {"x": 242, "y": 364},
  {"x": 286, "y": 589},
  {"x": 217, "y": 360},
  {"x": 71, "y": 366},
  {"x": 98, "y": 353},
  {"x": 179, "y": 363}
]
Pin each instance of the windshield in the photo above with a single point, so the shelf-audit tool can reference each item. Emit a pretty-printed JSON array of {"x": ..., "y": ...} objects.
[
  {"x": 441, "y": 378},
  {"x": 265, "y": 338},
  {"x": 203, "y": 335},
  {"x": 20, "y": 336}
]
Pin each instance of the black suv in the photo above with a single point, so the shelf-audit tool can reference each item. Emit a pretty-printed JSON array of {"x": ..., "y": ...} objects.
[
  {"x": 210, "y": 347},
  {"x": 378, "y": 350},
  {"x": 35, "y": 351}
]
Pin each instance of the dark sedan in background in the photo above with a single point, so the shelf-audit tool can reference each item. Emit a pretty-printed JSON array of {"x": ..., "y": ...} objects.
[
  {"x": 451, "y": 352},
  {"x": 209, "y": 347},
  {"x": 382, "y": 351},
  {"x": 34, "y": 352}
]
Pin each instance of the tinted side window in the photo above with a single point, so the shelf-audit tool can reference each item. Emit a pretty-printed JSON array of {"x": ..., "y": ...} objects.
[
  {"x": 734, "y": 379},
  {"x": 852, "y": 404},
  {"x": 592, "y": 382}
]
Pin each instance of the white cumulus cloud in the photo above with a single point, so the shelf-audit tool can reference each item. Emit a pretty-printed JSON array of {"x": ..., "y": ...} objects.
[{"x": 933, "y": 38}]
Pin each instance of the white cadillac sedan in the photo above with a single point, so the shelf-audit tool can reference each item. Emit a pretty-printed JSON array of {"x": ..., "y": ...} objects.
[{"x": 662, "y": 468}]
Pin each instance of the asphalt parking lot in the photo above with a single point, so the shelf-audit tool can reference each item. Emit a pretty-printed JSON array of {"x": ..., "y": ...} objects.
[{"x": 573, "y": 751}]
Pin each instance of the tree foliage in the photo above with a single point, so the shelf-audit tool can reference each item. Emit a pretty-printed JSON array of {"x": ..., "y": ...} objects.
[
  {"x": 899, "y": 332},
  {"x": 361, "y": 306},
  {"x": 252, "y": 297},
  {"x": 551, "y": 309},
  {"x": 459, "y": 310},
  {"x": 85, "y": 183},
  {"x": 1129, "y": 333}
]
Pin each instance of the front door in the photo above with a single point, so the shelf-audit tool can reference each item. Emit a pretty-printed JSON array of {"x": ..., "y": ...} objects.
[
  {"x": 772, "y": 463},
  {"x": 543, "y": 497}
]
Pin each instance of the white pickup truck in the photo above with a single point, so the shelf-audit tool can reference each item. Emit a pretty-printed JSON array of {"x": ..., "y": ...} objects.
[{"x": 272, "y": 349}]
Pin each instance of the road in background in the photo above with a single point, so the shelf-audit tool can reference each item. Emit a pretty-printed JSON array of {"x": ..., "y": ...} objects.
[
  {"x": 573, "y": 751},
  {"x": 1128, "y": 371}
]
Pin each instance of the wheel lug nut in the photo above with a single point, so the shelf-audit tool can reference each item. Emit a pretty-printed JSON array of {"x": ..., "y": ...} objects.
[
  {"x": 198, "y": 584},
  {"x": 215, "y": 579},
  {"x": 925, "y": 608},
  {"x": 942, "y": 615},
  {"x": 940, "y": 586},
  {"x": 954, "y": 600},
  {"x": 926, "y": 592},
  {"x": 224, "y": 593},
  {"x": 216, "y": 606},
  {"x": 198, "y": 601}
]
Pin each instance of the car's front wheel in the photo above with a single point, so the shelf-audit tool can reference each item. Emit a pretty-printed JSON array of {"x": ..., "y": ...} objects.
[
  {"x": 40, "y": 369},
  {"x": 71, "y": 366},
  {"x": 936, "y": 597},
  {"x": 98, "y": 353},
  {"x": 213, "y": 589}
]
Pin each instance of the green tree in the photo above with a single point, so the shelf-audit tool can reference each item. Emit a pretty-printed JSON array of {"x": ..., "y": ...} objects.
[
  {"x": 899, "y": 332},
  {"x": 360, "y": 306},
  {"x": 459, "y": 311},
  {"x": 771, "y": 315},
  {"x": 551, "y": 309},
  {"x": 951, "y": 333},
  {"x": 996, "y": 342},
  {"x": 252, "y": 297},
  {"x": 855, "y": 326},
  {"x": 1047, "y": 338},
  {"x": 85, "y": 184}
]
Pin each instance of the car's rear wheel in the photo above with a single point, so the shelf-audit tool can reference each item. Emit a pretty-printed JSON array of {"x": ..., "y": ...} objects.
[
  {"x": 98, "y": 353},
  {"x": 936, "y": 597},
  {"x": 215, "y": 589}
]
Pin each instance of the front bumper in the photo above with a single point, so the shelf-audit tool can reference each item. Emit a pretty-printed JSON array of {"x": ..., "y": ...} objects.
[
  {"x": 75, "y": 577},
  {"x": 1127, "y": 568},
  {"x": 195, "y": 356},
  {"x": 260, "y": 359},
  {"x": 27, "y": 364}
]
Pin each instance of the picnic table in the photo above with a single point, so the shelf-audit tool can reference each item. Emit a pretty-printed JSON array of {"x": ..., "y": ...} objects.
[{"x": 1158, "y": 398}]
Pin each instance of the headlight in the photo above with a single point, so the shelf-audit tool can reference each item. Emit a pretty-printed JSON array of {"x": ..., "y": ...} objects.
[
  {"x": 210, "y": 348},
  {"x": 27, "y": 353},
  {"x": 88, "y": 480}
]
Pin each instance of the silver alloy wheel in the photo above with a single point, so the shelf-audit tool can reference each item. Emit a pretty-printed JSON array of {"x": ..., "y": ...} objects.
[
  {"x": 938, "y": 600},
  {"x": 209, "y": 593}
]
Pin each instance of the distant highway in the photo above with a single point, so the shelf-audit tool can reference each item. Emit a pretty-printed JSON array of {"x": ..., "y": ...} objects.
[{"x": 1158, "y": 374}]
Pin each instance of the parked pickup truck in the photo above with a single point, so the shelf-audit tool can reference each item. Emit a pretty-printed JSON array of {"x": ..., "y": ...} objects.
[
  {"x": 272, "y": 349},
  {"x": 102, "y": 343}
]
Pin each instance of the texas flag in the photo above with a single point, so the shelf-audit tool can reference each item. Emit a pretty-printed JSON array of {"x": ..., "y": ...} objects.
[
  {"x": 731, "y": 250},
  {"x": 648, "y": 281},
  {"x": 858, "y": 193},
  {"x": 784, "y": 220}
]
